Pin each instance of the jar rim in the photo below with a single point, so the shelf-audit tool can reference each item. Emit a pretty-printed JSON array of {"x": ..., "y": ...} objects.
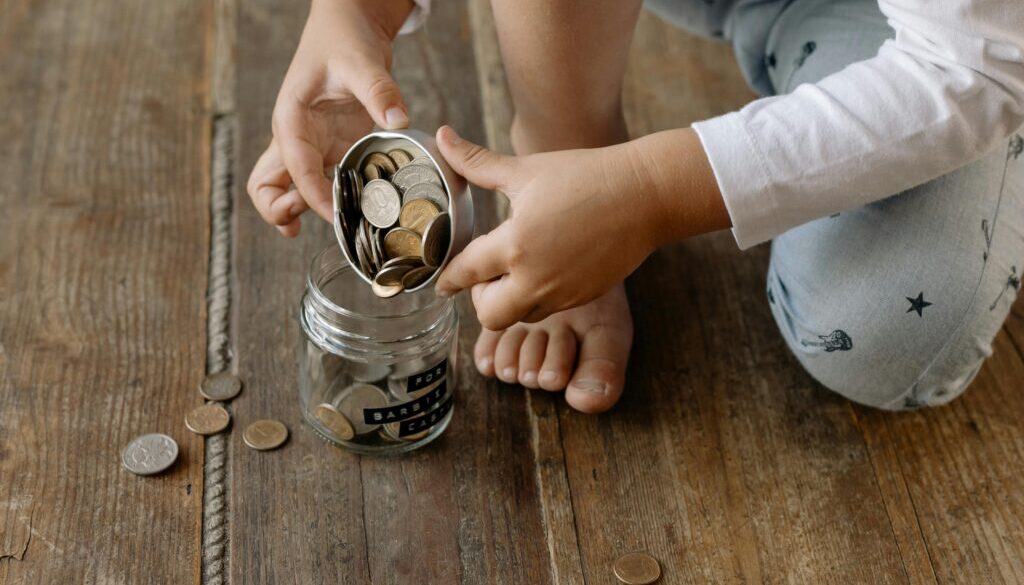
[{"x": 313, "y": 289}]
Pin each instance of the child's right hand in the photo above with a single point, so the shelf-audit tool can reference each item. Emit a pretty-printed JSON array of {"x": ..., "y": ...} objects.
[{"x": 337, "y": 87}]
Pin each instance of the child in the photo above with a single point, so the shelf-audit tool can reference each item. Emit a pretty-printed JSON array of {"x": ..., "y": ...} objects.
[{"x": 883, "y": 163}]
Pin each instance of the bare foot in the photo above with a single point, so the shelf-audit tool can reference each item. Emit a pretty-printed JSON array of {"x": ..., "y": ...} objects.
[{"x": 544, "y": 354}]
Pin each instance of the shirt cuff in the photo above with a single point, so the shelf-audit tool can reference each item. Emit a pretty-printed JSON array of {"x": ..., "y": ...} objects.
[
  {"x": 742, "y": 177},
  {"x": 416, "y": 18}
]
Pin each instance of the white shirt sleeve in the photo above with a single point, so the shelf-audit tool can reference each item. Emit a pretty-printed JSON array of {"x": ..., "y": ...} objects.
[
  {"x": 416, "y": 18},
  {"x": 946, "y": 90}
]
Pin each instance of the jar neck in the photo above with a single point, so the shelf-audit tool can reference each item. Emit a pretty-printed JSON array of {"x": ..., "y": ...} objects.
[{"x": 341, "y": 315}]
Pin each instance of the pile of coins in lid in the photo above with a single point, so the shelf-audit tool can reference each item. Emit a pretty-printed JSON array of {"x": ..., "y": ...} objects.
[{"x": 394, "y": 219}]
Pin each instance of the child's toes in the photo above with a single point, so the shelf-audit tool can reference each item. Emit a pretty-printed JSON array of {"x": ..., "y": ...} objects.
[
  {"x": 558, "y": 359},
  {"x": 506, "y": 356},
  {"x": 600, "y": 375},
  {"x": 483, "y": 352},
  {"x": 531, "y": 356}
]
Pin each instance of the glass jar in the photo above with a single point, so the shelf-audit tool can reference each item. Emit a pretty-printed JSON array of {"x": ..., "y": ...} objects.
[{"x": 375, "y": 375}]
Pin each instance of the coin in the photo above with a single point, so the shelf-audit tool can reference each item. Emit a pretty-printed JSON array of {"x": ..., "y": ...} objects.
[
  {"x": 380, "y": 203},
  {"x": 334, "y": 421},
  {"x": 363, "y": 250},
  {"x": 383, "y": 162},
  {"x": 392, "y": 275},
  {"x": 222, "y": 386},
  {"x": 264, "y": 435},
  {"x": 385, "y": 291},
  {"x": 637, "y": 569},
  {"x": 410, "y": 261},
  {"x": 414, "y": 173},
  {"x": 428, "y": 191},
  {"x": 208, "y": 419},
  {"x": 357, "y": 397},
  {"x": 417, "y": 213},
  {"x": 400, "y": 157},
  {"x": 149, "y": 454},
  {"x": 392, "y": 429},
  {"x": 436, "y": 237},
  {"x": 416, "y": 277},
  {"x": 372, "y": 172},
  {"x": 402, "y": 242}
]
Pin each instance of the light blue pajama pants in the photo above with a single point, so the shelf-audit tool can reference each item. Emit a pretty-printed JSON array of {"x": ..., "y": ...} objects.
[{"x": 894, "y": 304}]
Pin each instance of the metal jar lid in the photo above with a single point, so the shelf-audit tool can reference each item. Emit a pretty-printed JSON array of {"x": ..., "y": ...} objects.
[{"x": 419, "y": 145}]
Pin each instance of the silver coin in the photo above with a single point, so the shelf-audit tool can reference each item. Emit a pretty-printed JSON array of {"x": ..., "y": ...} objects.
[
  {"x": 436, "y": 238},
  {"x": 380, "y": 203},
  {"x": 417, "y": 276},
  {"x": 413, "y": 174},
  {"x": 357, "y": 397},
  {"x": 149, "y": 454},
  {"x": 363, "y": 251},
  {"x": 222, "y": 386},
  {"x": 410, "y": 261},
  {"x": 392, "y": 275},
  {"x": 377, "y": 248},
  {"x": 428, "y": 191}
]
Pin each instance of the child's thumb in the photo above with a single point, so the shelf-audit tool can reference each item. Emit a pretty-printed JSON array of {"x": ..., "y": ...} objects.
[
  {"x": 483, "y": 167},
  {"x": 379, "y": 94}
]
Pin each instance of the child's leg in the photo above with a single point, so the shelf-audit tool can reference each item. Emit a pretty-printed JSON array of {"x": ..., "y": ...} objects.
[
  {"x": 565, "y": 60},
  {"x": 894, "y": 304}
]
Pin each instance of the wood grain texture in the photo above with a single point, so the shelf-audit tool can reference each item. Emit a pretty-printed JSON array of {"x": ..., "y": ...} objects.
[
  {"x": 104, "y": 150},
  {"x": 465, "y": 509}
]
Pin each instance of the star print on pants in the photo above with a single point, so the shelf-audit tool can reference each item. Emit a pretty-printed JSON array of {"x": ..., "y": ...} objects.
[{"x": 918, "y": 304}]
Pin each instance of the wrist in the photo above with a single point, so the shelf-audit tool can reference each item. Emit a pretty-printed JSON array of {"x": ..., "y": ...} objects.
[
  {"x": 678, "y": 185},
  {"x": 386, "y": 16}
]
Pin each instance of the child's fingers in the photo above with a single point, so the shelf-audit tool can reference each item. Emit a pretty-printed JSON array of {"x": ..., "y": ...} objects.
[
  {"x": 374, "y": 87},
  {"x": 482, "y": 260},
  {"x": 268, "y": 187},
  {"x": 500, "y": 303},
  {"x": 483, "y": 167},
  {"x": 303, "y": 159}
]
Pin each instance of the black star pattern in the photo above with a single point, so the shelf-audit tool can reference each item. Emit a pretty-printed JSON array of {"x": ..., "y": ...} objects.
[
  {"x": 918, "y": 304},
  {"x": 809, "y": 47}
]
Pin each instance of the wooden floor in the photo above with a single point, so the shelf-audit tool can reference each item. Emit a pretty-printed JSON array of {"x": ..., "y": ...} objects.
[{"x": 724, "y": 460}]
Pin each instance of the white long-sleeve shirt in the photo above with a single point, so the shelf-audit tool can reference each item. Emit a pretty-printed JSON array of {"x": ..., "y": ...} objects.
[{"x": 942, "y": 93}]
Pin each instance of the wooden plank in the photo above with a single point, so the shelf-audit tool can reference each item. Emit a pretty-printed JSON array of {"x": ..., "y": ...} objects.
[
  {"x": 104, "y": 150},
  {"x": 958, "y": 470},
  {"x": 465, "y": 509},
  {"x": 723, "y": 460}
]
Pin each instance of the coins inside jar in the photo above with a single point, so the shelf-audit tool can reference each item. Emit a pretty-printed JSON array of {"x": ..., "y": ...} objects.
[{"x": 393, "y": 208}]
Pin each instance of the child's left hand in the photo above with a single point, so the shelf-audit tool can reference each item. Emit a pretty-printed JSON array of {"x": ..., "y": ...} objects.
[{"x": 581, "y": 222}]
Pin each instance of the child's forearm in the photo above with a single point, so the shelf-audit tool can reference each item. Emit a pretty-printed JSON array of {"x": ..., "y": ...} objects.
[
  {"x": 389, "y": 14},
  {"x": 676, "y": 174}
]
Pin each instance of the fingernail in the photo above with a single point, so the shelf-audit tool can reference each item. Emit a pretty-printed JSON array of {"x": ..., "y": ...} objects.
[
  {"x": 483, "y": 363},
  {"x": 443, "y": 292},
  {"x": 509, "y": 373},
  {"x": 548, "y": 377},
  {"x": 591, "y": 386},
  {"x": 396, "y": 118},
  {"x": 529, "y": 377}
]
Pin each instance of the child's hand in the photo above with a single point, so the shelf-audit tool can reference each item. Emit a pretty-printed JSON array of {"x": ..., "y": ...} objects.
[
  {"x": 336, "y": 88},
  {"x": 581, "y": 222}
]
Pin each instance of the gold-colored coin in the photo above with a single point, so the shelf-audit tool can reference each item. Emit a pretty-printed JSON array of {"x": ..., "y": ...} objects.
[
  {"x": 371, "y": 172},
  {"x": 400, "y": 157},
  {"x": 410, "y": 261},
  {"x": 264, "y": 435},
  {"x": 392, "y": 275},
  {"x": 416, "y": 214},
  {"x": 637, "y": 569},
  {"x": 221, "y": 387},
  {"x": 391, "y": 430},
  {"x": 402, "y": 242},
  {"x": 382, "y": 161},
  {"x": 334, "y": 421},
  {"x": 436, "y": 238},
  {"x": 416, "y": 277},
  {"x": 208, "y": 419},
  {"x": 385, "y": 291}
]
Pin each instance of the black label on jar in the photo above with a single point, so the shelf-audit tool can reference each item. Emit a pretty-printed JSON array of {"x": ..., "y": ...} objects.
[
  {"x": 405, "y": 410},
  {"x": 421, "y": 423},
  {"x": 427, "y": 377}
]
